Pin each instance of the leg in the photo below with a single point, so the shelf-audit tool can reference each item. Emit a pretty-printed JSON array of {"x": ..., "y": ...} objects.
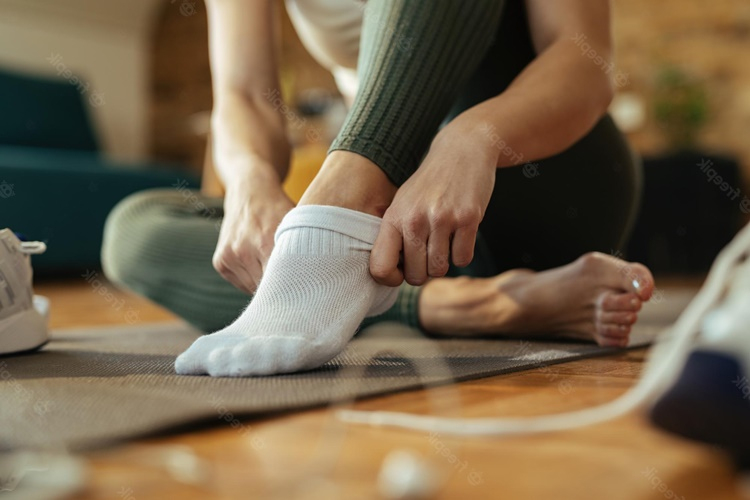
[
  {"x": 578, "y": 202},
  {"x": 159, "y": 244},
  {"x": 406, "y": 47},
  {"x": 317, "y": 288},
  {"x": 543, "y": 217}
]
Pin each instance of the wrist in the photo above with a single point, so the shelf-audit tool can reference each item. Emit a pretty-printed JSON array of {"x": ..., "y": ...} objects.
[
  {"x": 475, "y": 134},
  {"x": 241, "y": 148},
  {"x": 237, "y": 165},
  {"x": 254, "y": 180}
]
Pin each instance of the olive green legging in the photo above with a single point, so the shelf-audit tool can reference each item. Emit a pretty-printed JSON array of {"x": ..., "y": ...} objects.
[{"x": 159, "y": 243}]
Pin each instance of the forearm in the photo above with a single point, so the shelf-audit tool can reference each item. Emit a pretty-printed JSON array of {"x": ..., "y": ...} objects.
[
  {"x": 552, "y": 104},
  {"x": 415, "y": 58},
  {"x": 249, "y": 138},
  {"x": 248, "y": 129}
]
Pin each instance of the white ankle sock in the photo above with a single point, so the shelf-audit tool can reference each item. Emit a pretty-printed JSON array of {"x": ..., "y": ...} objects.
[{"x": 314, "y": 293}]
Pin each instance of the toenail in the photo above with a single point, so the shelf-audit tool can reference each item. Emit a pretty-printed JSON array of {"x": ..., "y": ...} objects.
[
  {"x": 634, "y": 302},
  {"x": 636, "y": 285}
]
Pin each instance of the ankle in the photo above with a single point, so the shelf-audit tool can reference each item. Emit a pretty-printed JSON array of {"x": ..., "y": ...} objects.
[{"x": 349, "y": 180}]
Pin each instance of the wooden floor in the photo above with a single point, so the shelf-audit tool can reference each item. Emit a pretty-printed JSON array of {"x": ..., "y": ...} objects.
[{"x": 309, "y": 455}]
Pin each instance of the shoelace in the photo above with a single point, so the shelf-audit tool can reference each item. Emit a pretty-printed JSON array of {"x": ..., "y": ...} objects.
[
  {"x": 668, "y": 356},
  {"x": 32, "y": 247}
]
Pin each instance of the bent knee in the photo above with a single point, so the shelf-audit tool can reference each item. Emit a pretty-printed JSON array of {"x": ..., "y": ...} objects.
[{"x": 132, "y": 231}]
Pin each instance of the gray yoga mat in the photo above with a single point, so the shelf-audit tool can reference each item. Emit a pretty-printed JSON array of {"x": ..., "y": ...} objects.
[{"x": 91, "y": 387}]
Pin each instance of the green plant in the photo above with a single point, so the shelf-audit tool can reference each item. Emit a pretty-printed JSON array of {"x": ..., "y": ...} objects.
[{"x": 680, "y": 106}]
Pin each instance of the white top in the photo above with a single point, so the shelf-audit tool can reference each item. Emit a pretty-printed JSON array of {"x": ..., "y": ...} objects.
[{"x": 330, "y": 30}]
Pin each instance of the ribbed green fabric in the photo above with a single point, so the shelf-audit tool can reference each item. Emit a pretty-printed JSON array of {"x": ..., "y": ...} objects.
[
  {"x": 415, "y": 56},
  {"x": 159, "y": 243}
]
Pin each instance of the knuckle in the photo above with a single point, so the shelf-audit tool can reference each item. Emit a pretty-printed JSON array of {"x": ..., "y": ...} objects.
[
  {"x": 220, "y": 266},
  {"x": 439, "y": 263},
  {"x": 266, "y": 245},
  {"x": 245, "y": 253},
  {"x": 468, "y": 217},
  {"x": 222, "y": 252},
  {"x": 442, "y": 218},
  {"x": 412, "y": 225},
  {"x": 378, "y": 271}
]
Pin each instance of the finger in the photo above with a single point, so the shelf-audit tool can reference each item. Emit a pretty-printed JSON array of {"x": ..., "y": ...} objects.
[
  {"x": 235, "y": 280},
  {"x": 246, "y": 266},
  {"x": 385, "y": 256},
  {"x": 462, "y": 248},
  {"x": 250, "y": 273},
  {"x": 415, "y": 257},
  {"x": 264, "y": 253},
  {"x": 438, "y": 253}
]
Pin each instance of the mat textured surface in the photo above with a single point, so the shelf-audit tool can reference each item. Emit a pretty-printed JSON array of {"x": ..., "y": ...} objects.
[{"x": 88, "y": 388}]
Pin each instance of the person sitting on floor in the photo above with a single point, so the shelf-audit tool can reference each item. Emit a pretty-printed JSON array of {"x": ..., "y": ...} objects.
[{"x": 449, "y": 101}]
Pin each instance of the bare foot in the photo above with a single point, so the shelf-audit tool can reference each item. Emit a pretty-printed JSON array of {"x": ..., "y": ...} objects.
[{"x": 597, "y": 297}]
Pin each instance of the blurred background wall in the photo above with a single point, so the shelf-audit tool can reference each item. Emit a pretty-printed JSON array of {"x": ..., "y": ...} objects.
[
  {"x": 683, "y": 98},
  {"x": 148, "y": 61},
  {"x": 107, "y": 44},
  {"x": 708, "y": 41}
]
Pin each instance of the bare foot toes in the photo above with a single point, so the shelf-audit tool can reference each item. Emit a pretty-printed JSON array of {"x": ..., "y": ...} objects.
[{"x": 597, "y": 297}]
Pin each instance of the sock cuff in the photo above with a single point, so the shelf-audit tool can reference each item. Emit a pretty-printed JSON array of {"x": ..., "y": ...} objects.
[{"x": 357, "y": 225}]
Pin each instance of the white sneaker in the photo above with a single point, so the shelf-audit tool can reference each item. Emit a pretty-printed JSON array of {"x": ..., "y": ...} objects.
[{"x": 23, "y": 316}]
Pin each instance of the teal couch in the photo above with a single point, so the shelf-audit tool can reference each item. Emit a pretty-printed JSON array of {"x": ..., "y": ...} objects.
[{"x": 55, "y": 185}]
